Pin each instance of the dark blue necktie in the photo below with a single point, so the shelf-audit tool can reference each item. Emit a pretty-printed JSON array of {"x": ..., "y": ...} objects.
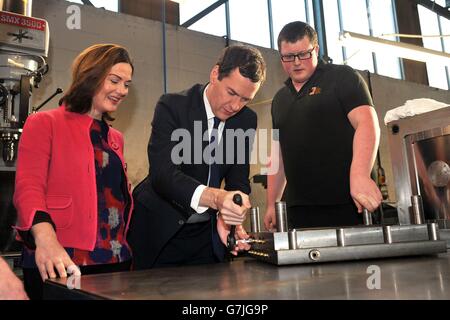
[
  {"x": 214, "y": 182},
  {"x": 214, "y": 177}
]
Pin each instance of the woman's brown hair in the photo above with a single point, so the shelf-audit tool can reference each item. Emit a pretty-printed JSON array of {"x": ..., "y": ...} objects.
[{"x": 89, "y": 70}]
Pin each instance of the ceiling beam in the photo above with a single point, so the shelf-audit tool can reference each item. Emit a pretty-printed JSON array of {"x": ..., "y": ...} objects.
[
  {"x": 433, "y": 6},
  {"x": 87, "y": 2},
  {"x": 203, "y": 13}
]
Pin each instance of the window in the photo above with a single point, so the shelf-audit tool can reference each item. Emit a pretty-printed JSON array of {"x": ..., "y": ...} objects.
[
  {"x": 333, "y": 28},
  {"x": 383, "y": 23},
  {"x": 249, "y": 22},
  {"x": 432, "y": 25},
  {"x": 213, "y": 23},
  {"x": 285, "y": 11},
  {"x": 369, "y": 17},
  {"x": 354, "y": 18},
  {"x": 111, "y": 5}
]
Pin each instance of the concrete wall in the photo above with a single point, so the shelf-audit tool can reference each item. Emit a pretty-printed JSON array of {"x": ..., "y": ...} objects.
[{"x": 190, "y": 57}]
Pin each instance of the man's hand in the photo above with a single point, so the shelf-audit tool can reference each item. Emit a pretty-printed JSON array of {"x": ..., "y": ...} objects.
[
  {"x": 365, "y": 193},
  {"x": 11, "y": 288},
  {"x": 223, "y": 230},
  {"x": 231, "y": 213},
  {"x": 270, "y": 221},
  {"x": 50, "y": 255}
]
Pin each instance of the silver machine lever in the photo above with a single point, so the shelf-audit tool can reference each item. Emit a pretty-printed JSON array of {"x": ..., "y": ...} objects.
[{"x": 367, "y": 217}]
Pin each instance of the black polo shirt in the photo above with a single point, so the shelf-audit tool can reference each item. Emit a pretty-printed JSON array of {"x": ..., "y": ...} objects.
[{"x": 316, "y": 136}]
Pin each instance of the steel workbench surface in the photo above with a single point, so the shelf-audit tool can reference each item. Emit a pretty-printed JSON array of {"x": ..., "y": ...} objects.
[{"x": 423, "y": 277}]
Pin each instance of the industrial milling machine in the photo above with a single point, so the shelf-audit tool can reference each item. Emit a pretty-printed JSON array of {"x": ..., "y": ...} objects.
[
  {"x": 420, "y": 153},
  {"x": 24, "y": 42}
]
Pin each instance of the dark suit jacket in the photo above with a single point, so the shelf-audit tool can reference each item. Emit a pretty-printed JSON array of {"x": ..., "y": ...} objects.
[{"x": 162, "y": 199}]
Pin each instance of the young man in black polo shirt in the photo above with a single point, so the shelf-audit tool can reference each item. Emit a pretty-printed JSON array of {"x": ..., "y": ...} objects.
[{"x": 328, "y": 137}]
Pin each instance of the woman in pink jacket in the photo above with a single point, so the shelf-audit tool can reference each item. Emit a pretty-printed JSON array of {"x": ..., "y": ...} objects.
[{"x": 72, "y": 194}]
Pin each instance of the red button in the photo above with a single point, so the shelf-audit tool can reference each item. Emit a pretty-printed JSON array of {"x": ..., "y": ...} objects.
[{"x": 114, "y": 145}]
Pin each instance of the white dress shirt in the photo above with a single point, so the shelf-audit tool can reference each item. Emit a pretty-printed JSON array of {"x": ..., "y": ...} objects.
[{"x": 199, "y": 190}]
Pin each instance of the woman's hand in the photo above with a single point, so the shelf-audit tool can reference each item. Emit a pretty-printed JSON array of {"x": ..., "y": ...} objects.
[{"x": 50, "y": 255}]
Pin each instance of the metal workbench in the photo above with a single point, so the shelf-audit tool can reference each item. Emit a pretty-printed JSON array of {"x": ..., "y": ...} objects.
[{"x": 422, "y": 277}]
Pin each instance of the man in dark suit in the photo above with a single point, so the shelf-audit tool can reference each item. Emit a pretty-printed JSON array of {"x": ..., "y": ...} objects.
[{"x": 199, "y": 138}]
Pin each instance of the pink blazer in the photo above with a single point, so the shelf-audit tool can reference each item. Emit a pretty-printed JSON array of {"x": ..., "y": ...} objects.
[{"x": 56, "y": 174}]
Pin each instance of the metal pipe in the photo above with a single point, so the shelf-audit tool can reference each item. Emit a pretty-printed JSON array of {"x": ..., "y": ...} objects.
[
  {"x": 443, "y": 48},
  {"x": 432, "y": 231},
  {"x": 308, "y": 18},
  {"x": 341, "y": 28},
  {"x": 433, "y": 6},
  {"x": 269, "y": 11},
  {"x": 292, "y": 238},
  {"x": 340, "y": 235},
  {"x": 58, "y": 91},
  {"x": 367, "y": 217},
  {"x": 369, "y": 19},
  {"x": 387, "y": 235},
  {"x": 254, "y": 220},
  {"x": 281, "y": 215},
  {"x": 394, "y": 15},
  {"x": 319, "y": 23},
  {"x": 203, "y": 13},
  {"x": 417, "y": 209},
  {"x": 227, "y": 21}
]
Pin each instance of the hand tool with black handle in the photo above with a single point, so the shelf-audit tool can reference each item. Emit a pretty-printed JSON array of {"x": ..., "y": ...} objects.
[{"x": 231, "y": 240}]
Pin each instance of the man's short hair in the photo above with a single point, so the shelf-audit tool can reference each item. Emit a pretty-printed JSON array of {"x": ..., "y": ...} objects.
[
  {"x": 249, "y": 60},
  {"x": 297, "y": 30}
]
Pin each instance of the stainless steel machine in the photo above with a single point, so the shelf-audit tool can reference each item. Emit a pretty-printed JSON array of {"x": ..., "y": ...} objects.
[
  {"x": 420, "y": 156},
  {"x": 24, "y": 42}
]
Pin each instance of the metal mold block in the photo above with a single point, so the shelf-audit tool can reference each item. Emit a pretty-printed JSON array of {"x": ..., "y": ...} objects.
[{"x": 347, "y": 243}]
